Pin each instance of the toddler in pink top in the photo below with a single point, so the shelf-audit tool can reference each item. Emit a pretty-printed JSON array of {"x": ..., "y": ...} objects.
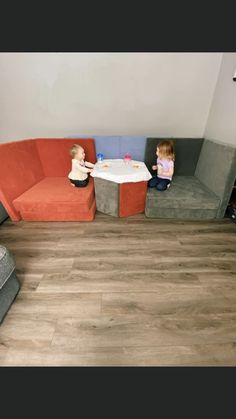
[{"x": 164, "y": 167}]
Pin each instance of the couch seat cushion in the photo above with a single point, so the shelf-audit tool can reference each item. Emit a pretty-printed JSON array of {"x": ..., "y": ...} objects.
[
  {"x": 187, "y": 196},
  {"x": 55, "y": 196}
]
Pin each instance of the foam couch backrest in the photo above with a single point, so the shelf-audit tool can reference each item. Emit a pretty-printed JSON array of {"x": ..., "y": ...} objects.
[
  {"x": 216, "y": 169},
  {"x": 54, "y": 154},
  {"x": 20, "y": 169},
  {"x": 187, "y": 151},
  {"x": 115, "y": 147}
]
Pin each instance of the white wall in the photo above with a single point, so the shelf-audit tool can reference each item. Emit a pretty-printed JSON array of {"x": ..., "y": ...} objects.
[
  {"x": 60, "y": 94},
  {"x": 221, "y": 123}
]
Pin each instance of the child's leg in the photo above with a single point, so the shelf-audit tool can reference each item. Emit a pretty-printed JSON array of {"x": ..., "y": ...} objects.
[
  {"x": 162, "y": 184},
  {"x": 83, "y": 183},
  {"x": 79, "y": 183},
  {"x": 152, "y": 183}
]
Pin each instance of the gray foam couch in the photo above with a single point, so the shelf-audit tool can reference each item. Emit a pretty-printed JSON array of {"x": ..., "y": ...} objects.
[
  {"x": 3, "y": 213},
  {"x": 9, "y": 283},
  {"x": 205, "y": 172}
]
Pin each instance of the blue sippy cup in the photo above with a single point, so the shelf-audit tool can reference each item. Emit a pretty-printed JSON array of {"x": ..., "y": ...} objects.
[{"x": 100, "y": 157}]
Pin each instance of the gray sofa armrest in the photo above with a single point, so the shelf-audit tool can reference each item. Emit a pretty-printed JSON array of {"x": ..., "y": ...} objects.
[{"x": 216, "y": 169}]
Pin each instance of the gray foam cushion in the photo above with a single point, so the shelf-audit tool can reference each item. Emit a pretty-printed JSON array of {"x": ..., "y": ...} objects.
[
  {"x": 216, "y": 169},
  {"x": 9, "y": 284},
  {"x": 184, "y": 191},
  {"x": 7, "y": 294},
  {"x": 187, "y": 151},
  {"x": 187, "y": 197},
  {"x": 7, "y": 265},
  {"x": 107, "y": 196},
  {"x": 3, "y": 213},
  {"x": 184, "y": 214}
]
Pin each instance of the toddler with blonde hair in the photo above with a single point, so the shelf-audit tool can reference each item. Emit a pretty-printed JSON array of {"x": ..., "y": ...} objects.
[
  {"x": 164, "y": 167},
  {"x": 78, "y": 175}
]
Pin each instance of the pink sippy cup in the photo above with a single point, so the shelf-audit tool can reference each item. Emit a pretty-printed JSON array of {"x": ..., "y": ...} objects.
[{"x": 127, "y": 158}]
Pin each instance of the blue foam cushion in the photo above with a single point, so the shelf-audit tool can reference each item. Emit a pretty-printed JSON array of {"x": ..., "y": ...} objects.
[
  {"x": 133, "y": 145},
  {"x": 109, "y": 146},
  {"x": 115, "y": 147}
]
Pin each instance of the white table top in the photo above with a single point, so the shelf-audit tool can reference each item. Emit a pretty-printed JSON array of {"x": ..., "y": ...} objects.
[{"x": 116, "y": 170}]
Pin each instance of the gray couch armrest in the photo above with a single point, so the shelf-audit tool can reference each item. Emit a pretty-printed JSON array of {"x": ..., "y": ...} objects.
[{"x": 216, "y": 169}]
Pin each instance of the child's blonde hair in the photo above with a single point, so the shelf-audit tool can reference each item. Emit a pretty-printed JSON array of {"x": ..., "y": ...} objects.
[
  {"x": 74, "y": 149},
  {"x": 166, "y": 149}
]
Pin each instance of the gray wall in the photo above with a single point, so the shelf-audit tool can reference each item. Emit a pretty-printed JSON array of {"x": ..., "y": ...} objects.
[{"x": 221, "y": 123}]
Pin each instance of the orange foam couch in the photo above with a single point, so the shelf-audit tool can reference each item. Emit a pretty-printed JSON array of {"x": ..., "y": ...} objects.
[{"x": 34, "y": 184}]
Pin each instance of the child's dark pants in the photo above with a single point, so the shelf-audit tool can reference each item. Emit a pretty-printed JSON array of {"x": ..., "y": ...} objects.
[
  {"x": 158, "y": 183},
  {"x": 80, "y": 183}
]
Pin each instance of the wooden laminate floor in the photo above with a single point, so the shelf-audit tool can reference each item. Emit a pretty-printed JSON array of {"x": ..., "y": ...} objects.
[{"x": 117, "y": 292}]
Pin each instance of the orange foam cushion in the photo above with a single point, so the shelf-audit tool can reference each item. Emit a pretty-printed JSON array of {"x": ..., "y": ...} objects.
[
  {"x": 54, "y": 154},
  {"x": 132, "y": 198},
  {"x": 20, "y": 169},
  {"x": 55, "y": 199}
]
